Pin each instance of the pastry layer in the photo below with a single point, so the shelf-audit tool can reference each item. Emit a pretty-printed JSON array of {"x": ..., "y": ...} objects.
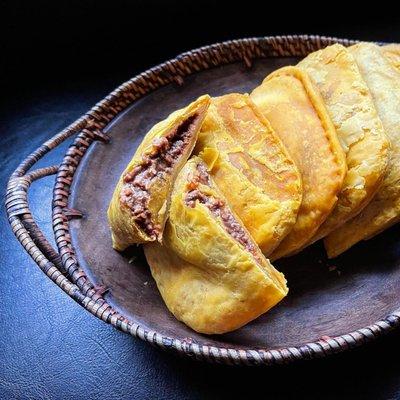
[
  {"x": 295, "y": 109},
  {"x": 210, "y": 272},
  {"x": 251, "y": 167},
  {"x": 360, "y": 131},
  {"x": 383, "y": 211},
  {"x": 139, "y": 205},
  {"x": 392, "y": 53}
]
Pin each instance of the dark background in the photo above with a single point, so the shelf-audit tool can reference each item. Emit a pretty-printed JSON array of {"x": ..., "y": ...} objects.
[
  {"x": 57, "y": 58},
  {"x": 58, "y": 44}
]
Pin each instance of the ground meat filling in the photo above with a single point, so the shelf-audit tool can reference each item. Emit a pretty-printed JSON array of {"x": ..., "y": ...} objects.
[
  {"x": 219, "y": 209},
  {"x": 166, "y": 153}
]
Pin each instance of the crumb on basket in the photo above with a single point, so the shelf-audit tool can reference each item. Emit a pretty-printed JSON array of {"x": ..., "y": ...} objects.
[{"x": 332, "y": 268}]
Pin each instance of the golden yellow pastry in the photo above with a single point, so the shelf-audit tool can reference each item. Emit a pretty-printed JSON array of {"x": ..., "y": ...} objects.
[
  {"x": 289, "y": 101},
  {"x": 383, "y": 211},
  {"x": 362, "y": 137},
  {"x": 138, "y": 209},
  {"x": 210, "y": 272},
  {"x": 392, "y": 53},
  {"x": 251, "y": 167}
]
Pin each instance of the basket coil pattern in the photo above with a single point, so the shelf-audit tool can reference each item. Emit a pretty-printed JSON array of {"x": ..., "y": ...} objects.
[{"x": 62, "y": 266}]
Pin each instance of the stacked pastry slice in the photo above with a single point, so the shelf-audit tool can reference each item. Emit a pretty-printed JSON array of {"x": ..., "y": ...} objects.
[
  {"x": 210, "y": 272},
  {"x": 383, "y": 80},
  {"x": 252, "y": 168},
  {"x": 138, "y": 208},
  {"x": 350, "y": 105},
  {"x": 313, "y": 152},
  {"x": 298, "y": 115}
]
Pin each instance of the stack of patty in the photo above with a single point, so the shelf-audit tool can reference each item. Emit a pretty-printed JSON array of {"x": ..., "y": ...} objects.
[{"x": 312, "y": 153}]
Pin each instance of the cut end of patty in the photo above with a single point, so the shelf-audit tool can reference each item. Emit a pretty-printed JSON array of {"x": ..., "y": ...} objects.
[
  {"x": 165, "y": 154},
  {"x": 219, "y": 209}
]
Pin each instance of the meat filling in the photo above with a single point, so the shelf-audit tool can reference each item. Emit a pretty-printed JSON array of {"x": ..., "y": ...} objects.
[
  {"x": 220, "y": 210},
  {"x": 166, "y": 152}
]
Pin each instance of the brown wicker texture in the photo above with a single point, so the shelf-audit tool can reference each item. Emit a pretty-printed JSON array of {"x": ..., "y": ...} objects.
[{"x": 62, "y": 266}]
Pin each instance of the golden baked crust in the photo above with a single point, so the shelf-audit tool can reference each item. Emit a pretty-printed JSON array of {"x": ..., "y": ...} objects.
[
  {"x": 384, "y": 209},
  {"x": 289, "y": 101},
  {"x": 392, "y": 53},
  {"x": 251, "y": 167},
  {"x": 349, "y": 103},
  {"x": 207, "y": 278},
  {"x": 124, "y": 225}
]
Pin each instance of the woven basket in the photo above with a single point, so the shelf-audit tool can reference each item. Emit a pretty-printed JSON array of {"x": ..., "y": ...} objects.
[{"x": 61, "y": 265}]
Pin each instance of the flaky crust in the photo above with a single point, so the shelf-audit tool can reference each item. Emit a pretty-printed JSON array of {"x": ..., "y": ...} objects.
[
  {"x": 125, "y": 231},
  {"x": 251, "y": 167},
  {"x": 392, "y": 53},
  {"x": 206, "y": 278},
  {"x": 360, "y": 131},
  {"x": 289, "y": 101},
  {"x": 383, "y": 211}
]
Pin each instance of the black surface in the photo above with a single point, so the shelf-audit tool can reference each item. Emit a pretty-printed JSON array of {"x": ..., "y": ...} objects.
[{"x": 49, "y": 346}]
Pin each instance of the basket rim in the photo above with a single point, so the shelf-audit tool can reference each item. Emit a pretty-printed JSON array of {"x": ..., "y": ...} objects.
[{"x": 99, "y": 117}]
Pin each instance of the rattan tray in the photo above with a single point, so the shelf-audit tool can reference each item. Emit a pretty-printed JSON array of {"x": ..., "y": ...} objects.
[{"x": 332, "y": 306}]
